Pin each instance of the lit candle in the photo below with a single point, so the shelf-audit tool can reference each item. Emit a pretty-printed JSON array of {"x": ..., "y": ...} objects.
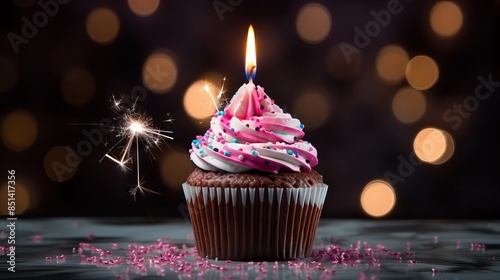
[
  {"x": 251, "y": 56},
  {"x": 247, "y": 102}
]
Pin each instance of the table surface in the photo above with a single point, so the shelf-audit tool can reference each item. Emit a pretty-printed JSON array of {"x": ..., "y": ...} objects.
[{"x": 140, "y": 248}]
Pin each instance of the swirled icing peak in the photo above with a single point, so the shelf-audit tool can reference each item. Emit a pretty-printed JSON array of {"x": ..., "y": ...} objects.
[{"x": 252, "y": 132}]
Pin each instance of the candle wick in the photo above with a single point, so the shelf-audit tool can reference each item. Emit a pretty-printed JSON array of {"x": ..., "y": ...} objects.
[{"x": 251, "y": 72}]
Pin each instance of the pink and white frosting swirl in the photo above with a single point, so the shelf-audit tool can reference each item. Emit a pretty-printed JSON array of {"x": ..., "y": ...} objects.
[{"x": 253, "y": 133}]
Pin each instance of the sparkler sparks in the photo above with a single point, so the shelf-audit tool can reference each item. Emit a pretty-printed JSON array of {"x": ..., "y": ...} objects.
[
  {"x": 220, "y": 91},
  {"x": 134, "y": 127}
]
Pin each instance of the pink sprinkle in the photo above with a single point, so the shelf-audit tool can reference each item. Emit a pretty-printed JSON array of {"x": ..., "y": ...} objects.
[
  {"x": 61, "y": 257},
  {"x": 275, "y": 266},
  {"x": 435, "y": 239},
  {"x": 476, "y": 247},
  {"x": 48, "y": 258},
  {"x": 90, "y": 236},
  {"x": 412, "y": 262},
  {"x": 459, "y": 244},
  {"x": 36, "y": 238},
  {"x": 114, "y": 245},
  {"x": 408, "y": 245},
  {"x": 434, "y": 271}
]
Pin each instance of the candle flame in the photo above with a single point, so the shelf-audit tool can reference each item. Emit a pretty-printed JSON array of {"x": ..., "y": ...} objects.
[{"x": 251, "y": 57}]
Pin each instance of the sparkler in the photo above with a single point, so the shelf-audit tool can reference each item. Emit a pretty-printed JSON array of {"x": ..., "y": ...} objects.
[
  {"x": 134, "y": 127},
  {"x": 220, "y": 91}
]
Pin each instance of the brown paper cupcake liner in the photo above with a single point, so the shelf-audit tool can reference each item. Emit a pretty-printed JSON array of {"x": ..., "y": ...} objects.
[{"x": 254, "y": 224}]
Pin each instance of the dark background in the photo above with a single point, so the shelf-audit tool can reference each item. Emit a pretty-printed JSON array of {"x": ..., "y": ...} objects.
[{"x": 360, "y": 142}]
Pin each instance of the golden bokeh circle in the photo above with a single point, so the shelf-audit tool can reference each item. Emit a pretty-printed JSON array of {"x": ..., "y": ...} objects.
[
  {"x": 143, "y": 8},
  {"x": 102, "y": 25},
  {"x": 408, "y": 105},
  {"x": 313, "y": 23},
  {"x": 446, "y": 18},
  {"x": 200, "y": 100},
  {"x": 21, "y": 195},
  {"x": 433, "y": 145},
  {"x": 159, "y": 72},
  {"x": 312, "y": 108},
  {"x": 19, "y": 130},
  {"x": 391, "y": 63},
  {"x": 378, "y": 198},
  {"x": 61, "y": 163},
  {"x": 175, "y": 168},
  {"x": 422, "y": 72}
]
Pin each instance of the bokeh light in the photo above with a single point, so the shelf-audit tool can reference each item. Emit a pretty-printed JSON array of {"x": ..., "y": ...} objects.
[
  {"x": 313, "y": 23},
  {"x": 432, "y": 145},
  {"x": 312, "y": 107},
  {"x": 143, "y": 8},
  {"x": 422, "y": 72},
  {"x": 9, "y": 74},
  {"x": 19, "y": 130},
  {"x": 446, "y": 18},
  {"x": 61, "y": 163},
  {"x": 78, "y": 86},
  {"x": 408, "y": 105},
  {"x": 103, "y": 25},
  {"x": 378, "y": 198},
  {"x": 200, "y": 100},
  {"x": 24, "y": 198},
  {"x": 175, "y": 168},
  {"x": 341, "y": 68},
  {"x": 159, "y": 72},
  {"x": 391, "y": 63}
]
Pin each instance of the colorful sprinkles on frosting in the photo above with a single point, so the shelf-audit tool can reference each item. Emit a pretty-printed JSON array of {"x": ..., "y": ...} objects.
[{"x": 254, "y": 119}]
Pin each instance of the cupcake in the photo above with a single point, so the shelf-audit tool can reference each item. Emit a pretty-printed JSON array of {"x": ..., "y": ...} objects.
[{"x": 254, "y": 194}]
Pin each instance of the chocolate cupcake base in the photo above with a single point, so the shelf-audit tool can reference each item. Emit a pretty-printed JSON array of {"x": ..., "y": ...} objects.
[{"x": 254, "y": 224}]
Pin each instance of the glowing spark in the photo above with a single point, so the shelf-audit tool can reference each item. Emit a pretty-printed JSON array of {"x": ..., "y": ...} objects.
[
  {"x": 207, "y": 89},
  {"x": 134, "y": 127},
  {"x": 220, "y": 91},
  {"x": 116, "y": 103}
]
